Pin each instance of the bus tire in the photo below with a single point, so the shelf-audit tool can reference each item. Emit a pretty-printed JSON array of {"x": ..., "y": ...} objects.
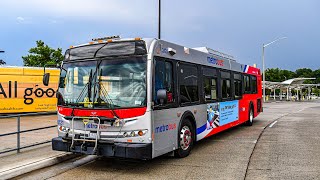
[
  {"x": 251, "y": 116},
  {"x": 185, "y": 139}
]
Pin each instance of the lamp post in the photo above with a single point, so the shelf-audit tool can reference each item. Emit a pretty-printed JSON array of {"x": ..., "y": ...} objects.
[
  {"x": 263, "y": 67},
  {"x": 159, "y": 19}
]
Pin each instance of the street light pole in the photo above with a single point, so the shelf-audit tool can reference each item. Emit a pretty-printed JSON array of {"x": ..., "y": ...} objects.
[
  {"x": 263, "y": 76},
  {"x": 263, "y": 66},
  {"x": 159, "y": 20}
]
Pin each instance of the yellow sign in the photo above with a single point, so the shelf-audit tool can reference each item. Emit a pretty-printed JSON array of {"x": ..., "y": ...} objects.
[
  {"x": 22, "y": 90},
  {"x": 85, "y": 121}
]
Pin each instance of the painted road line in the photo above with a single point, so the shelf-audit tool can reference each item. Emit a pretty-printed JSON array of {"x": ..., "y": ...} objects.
[
  {"x": 302, "y": 109},
  {"x": 273, "y": 124}
]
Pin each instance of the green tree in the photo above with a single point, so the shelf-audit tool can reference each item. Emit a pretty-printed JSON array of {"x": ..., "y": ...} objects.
[
  {"x": 316, "y": 91},
  {"x": 316, "y": 74},
  {"x": 273, "y": 74},
  {"x": 304, "y": 72},
  {"x": 43, "y": 55},
  {"x": 286, "y": 74},
  {"x": 278, "y": 75}
]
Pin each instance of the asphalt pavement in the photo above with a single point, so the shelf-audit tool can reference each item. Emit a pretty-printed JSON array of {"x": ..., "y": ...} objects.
[{"x": 283, "y": 143}]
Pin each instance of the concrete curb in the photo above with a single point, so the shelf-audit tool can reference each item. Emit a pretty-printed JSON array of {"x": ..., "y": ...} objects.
[{"x": 28, "y": 167}]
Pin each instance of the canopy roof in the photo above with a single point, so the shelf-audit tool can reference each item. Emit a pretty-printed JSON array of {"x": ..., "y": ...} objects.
[{"x": 293, "y": 83}]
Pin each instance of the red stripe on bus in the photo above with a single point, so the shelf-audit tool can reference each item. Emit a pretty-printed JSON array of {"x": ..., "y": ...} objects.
[
  {"x": 122, "y": 113},
  {"x": 222, "y": 128}
]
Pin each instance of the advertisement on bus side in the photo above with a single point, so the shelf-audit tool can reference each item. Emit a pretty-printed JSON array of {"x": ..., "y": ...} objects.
[{"x": 229, "y": 112}]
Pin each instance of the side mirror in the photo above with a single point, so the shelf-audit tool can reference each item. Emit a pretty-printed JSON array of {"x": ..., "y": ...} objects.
[
  {"x": 162, "y": 96},
  {"x": 61, "y": 82},
  {"x": 45, "y": 79}
]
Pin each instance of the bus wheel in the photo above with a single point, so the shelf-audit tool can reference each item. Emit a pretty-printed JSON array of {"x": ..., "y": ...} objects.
[
  {"x": 185, "y": 139},
  {"x": 250, "y": 120}
]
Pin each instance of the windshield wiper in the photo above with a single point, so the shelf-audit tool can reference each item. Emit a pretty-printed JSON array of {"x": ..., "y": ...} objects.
[
  {"x": 95, "y": 81},
  {"x": 105, "y": 93},
  {"x": 86, "y": 87},
  {"x": 90, "y": 85}
]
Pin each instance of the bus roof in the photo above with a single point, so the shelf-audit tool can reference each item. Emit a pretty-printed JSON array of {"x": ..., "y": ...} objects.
[{"x": 202, "y": 55}]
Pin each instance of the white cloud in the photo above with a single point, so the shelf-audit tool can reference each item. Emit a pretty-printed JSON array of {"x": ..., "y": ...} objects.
[
  {"x": 20, "y": 19},
  {"x": 53, "y": 21},
  {"x": 23, "y": 20}
]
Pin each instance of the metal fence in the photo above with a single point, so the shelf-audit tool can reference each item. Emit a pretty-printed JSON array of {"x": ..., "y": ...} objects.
[{"x": 18, "y": 132}]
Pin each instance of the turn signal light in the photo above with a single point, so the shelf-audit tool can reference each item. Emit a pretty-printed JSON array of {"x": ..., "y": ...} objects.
[{"x": 140, "y": 133}]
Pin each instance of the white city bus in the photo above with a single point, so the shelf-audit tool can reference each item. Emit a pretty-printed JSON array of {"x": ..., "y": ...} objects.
[{"x": 142, "y": 98}]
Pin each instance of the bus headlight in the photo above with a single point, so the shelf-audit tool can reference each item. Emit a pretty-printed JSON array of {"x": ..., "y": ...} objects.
[
  {"x": 125, "y": 134},
  {"x": 135, "y": 133},
  {"x": 132, "y": 134},
  {"x": 64, "y": 129}
]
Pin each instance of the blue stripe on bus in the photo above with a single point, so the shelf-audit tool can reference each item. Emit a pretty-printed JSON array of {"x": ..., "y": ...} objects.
[
  {"x": 245, "y": 67},
  {"x": 201, "y": 129}
]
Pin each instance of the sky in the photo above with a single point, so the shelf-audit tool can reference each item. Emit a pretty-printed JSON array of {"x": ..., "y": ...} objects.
[{"x": 238, "y": 28}]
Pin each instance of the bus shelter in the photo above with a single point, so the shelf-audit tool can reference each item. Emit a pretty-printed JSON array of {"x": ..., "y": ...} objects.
[{"x": 286, "y": 87}]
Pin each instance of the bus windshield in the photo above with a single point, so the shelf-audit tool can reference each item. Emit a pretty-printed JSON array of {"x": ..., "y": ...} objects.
[{"x": 104, "y": 83}]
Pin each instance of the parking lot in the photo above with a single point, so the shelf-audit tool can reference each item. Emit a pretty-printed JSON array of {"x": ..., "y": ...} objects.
[{"x": 283, "y": 143}]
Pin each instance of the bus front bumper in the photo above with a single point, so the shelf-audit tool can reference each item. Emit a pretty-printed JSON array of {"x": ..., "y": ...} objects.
[{"x": 121, "y": 150}]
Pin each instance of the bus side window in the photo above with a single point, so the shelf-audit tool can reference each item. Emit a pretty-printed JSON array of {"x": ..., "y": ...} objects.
[
  {"x": 237, "y": 86},
  {"x": 210, "y": 88},
  {"x": 226, "y": 88},
  {"x": 253, "y": 84},
  {"x": 247, "y": 87},
  {"x": 210, "y": 84},
  {"x": 225, "y": 85},
  {"x": 188, "y": 83},
  {"x": 163, "y": 80}
]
